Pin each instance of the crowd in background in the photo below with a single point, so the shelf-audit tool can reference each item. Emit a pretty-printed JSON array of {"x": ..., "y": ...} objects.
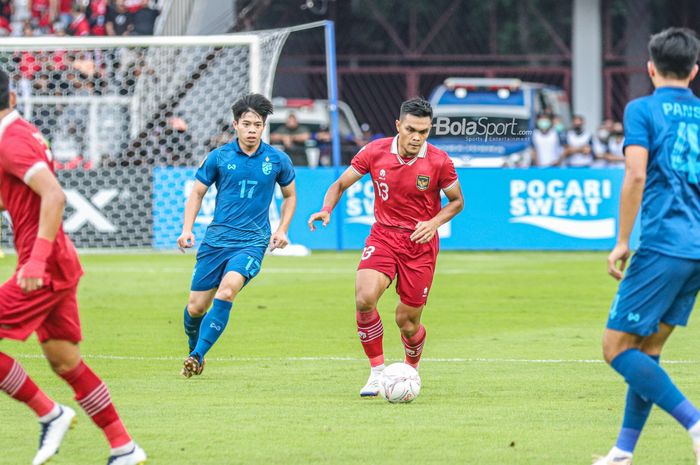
[
  {"x": 77, "y": 17},
  {"x": 577, "y": 147}
]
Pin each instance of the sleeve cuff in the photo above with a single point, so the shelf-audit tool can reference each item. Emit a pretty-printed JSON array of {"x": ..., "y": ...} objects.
[
  {"x": 445, "y": 189},
  {"x": 34, "y": 169},
  {"x": 356, "y": 171},
  {"x": 201, "y": 179}
]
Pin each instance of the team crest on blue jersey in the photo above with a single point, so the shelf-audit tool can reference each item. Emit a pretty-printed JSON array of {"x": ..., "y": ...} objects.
[
  {"x": 422, "y": 182},
  {"x": 267, "y": 166}
]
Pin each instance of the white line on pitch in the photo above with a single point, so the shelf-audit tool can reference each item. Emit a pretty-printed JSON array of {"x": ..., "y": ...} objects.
[{"x": 347, "y": 359}]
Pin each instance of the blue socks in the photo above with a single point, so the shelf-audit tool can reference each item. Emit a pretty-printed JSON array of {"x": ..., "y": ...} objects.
[
  {"x": 213, "y": 325},
  {"x": 192, "y": 325},
  {"x": 637, "y": 411},
  {"x": 651, "y": 382}
]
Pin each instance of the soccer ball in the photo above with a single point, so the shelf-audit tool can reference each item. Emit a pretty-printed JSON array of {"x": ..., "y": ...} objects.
[{"x": 399, "y": 383}]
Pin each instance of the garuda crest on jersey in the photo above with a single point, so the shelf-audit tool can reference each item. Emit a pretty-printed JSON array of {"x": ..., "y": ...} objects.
[{"x": 422, "y": 182}]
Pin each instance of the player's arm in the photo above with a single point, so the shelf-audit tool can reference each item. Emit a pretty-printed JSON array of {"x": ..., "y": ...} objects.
[
  {"x": 192, "y": 206},
  {"x": 425, "y": 230},
  {"x": 279, "y": 239},
  {"x": 333, "y": 195},
  {"x": 53, "y": 202},
  {"x": 636, "y": 159}
]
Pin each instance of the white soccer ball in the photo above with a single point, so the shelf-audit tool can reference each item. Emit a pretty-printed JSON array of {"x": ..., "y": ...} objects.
[{"x": 399, "y": 383}]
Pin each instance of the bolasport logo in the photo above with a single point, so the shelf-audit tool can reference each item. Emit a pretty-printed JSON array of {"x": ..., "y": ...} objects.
[
  {"x": 568, "y": 207},
  {"x": 482, "y": 129}
]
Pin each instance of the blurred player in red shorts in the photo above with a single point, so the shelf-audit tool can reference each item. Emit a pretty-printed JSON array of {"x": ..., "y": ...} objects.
[
  {"x": 408, "y": 175},
  {"x": 41, "y": 296}
]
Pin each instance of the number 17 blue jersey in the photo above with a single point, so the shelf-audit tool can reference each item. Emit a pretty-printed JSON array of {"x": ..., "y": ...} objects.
[
  {"x": 667, "y": 124},
  {"x": 245, "y": 186}
]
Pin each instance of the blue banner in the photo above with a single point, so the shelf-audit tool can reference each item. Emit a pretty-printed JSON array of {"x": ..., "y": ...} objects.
[{"x": 505, "y": 209}]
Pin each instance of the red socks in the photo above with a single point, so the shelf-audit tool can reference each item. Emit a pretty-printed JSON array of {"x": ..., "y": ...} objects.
[
  {"x": 92, "y": 395},
  {"x": 414, "y": 347},
  {"x": 371, "y": 332},
  {"x": 18, "y": 385}
]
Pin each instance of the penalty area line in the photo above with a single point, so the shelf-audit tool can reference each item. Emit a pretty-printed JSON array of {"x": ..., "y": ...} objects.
[{"x": 344, "y": 359}]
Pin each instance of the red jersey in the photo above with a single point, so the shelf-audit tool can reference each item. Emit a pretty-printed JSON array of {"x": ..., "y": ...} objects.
[
  {"x": 406, "y": 191},
  {"x": 65, "y": 6},
  {"x": 22, "y": 153}
]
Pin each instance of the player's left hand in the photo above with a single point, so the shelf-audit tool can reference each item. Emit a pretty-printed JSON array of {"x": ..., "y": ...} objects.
[
  {"x": 425, "y": 231},
  {"x": 278, "y": 240},
  {"x": 30, "y": 276},
  {"x": 620, "y": 253}
]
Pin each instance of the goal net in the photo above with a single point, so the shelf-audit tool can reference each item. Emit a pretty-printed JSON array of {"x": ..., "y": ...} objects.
[{"x": 128, "y": 120}]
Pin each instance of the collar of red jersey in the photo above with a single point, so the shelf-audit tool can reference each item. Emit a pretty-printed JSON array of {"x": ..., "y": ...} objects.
[
  {"x": 10, "y": 118},
  {"x": 395, "y": 149}
]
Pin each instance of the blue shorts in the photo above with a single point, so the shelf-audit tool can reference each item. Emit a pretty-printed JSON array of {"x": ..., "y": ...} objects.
[
  {"x": 656, "y": 288},
  {"x": 214, "y": 262}
]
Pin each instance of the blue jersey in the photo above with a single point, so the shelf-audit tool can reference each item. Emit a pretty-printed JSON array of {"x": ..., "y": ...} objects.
[
  {"x": 245, "y": 185},
  {"x": 666, "y": 124}
]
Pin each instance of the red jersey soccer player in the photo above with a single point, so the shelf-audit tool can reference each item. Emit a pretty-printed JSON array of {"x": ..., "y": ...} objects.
[
  {"x": 41, "y": 296},
  {"x": 408, "y": 176}
]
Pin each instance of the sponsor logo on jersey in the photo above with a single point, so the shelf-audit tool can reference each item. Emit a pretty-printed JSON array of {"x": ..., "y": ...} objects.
[
  {"x": 231, "y": 166},
  {"x": 422, "y": 182},
  {"x": 570, "y": 207},
  {"x": 382, "y": 174}
]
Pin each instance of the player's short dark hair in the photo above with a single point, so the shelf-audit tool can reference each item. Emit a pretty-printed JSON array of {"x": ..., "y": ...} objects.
[
  {"x": 4, "y": 90},
  {"x": 674, "y": 52},
  {"x": 416, "y": 106},
  {"x": 252, "y": 102}
]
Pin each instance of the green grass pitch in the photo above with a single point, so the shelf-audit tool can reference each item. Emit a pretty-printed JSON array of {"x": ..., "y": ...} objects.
[{"x": 511, "y": 371}]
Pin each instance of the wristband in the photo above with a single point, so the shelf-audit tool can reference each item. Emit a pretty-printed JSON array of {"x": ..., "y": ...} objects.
[
  {"x": 327, "y": 209},
  {"x": 41, "y": 250}
]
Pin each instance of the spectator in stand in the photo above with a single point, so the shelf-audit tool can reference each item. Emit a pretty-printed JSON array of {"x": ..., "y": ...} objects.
[
  {"x": 6, "y": 10},
  {"x": 546, "y": 146},
  {"x": 367, "y": 135},
  {"x": 97, "y": 16},
  {"x": 579, "y": 145},
  {"x": 79, "y": 26},
  {"x": 65, "y": 12},
  {"x": 614, "y": 155},
  {"x": 119, "y": 21},
  {"x": 44, "y": 13},
  {"x": 322, "y": 137},
  {"x": 293, "y": 137},
  {"x": 560, "y": 129},
  {"x": 5, "y": 26},
  {"x": 144, "y": 19},
  {"x": 133, "y": 6}
]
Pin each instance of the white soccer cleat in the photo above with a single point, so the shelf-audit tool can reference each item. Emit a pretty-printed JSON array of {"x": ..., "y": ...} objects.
[
  {"x": 135, "y": 456},
  {"x": 696, "y": 450},
  {"x": 613, "y": 461},
  {"x": 371, "y": 389},
  {"x": 52, "y": 434}
]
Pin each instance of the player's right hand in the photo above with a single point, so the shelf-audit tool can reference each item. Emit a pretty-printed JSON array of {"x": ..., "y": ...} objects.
[
  {"x": 620, "y": 253},
  {"x": 319, "y": 216},
  {"x": 185, "y": 241},
  {"x": 30, "y": 276}
]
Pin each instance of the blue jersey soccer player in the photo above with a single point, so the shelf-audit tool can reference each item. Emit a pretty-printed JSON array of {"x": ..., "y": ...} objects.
[
  {"x": 245, "y": 173},
  {"x": 659, "y": 288}
]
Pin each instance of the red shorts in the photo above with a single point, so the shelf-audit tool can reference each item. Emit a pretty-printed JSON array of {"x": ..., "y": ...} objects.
[
  {"x": 391, "y": 251},
  {"x": 51, "y": 314}
]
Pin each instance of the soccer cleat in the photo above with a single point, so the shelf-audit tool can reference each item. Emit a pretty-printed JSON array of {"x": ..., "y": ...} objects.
[
  {"x": 371, "y": 389},
  {"x": 52, "y": 434},
  {"x": 612, "y": 460},
  {"x": 696, "y": 450},
  {"x": 135, "y": 456},
  {"x": 192, "y": 367}
]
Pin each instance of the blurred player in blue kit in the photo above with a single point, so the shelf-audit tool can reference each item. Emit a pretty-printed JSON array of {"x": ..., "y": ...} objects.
[{"x": 659, "y": 288}]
